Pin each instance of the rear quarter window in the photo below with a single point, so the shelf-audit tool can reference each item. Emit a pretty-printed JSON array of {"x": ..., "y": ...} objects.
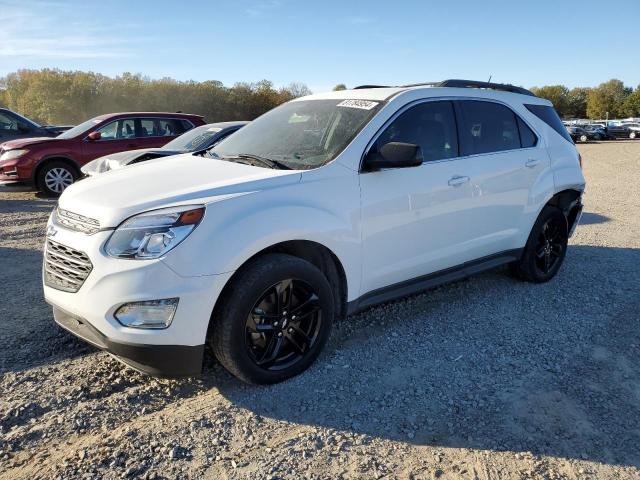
[{"x": 549, "y": 116}]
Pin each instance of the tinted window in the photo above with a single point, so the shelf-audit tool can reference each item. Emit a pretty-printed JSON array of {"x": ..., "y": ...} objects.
[
  {"x": 549, "y": 116},
  {"x": 527, "y": 137},
  {"x": 7, "y": 123},
  {"x": 430, "y": 125},
  {"x": 487, "y": 127}
]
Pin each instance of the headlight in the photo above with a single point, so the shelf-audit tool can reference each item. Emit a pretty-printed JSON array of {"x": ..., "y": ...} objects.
[
  {"x": 9, "y": 154},
  {"x": 95, "y": 166},
  {"x": 152, "y": 234}
]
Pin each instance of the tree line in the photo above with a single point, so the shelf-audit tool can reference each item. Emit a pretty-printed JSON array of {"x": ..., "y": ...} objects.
[
  {"x": 610, "y": 99},
  {"x": 56, "y": 96},
  {"x": 53, "y": 96}
]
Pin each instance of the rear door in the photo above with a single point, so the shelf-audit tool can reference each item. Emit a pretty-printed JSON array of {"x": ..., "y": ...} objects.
[
  {"x": 156, "y": 132},
  {"x": 506, "y": 163},
  {"x": 115, "y": 136}
]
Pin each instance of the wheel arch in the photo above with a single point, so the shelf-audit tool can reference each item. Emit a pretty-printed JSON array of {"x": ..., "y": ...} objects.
[
  {"x": 315, "y": 253},
  {"x": 53, "y": 158},
  {"x": 569, "y": 202}
]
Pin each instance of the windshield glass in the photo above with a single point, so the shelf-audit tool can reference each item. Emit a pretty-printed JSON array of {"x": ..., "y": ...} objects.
[
  {"x": 194, "y": 139},
  {"x": 78, "y": 129},
  {"x": 302, "y": 134}
]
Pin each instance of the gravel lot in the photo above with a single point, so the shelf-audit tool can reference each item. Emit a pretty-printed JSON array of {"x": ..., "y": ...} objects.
[{"x": 487, "y": 378}]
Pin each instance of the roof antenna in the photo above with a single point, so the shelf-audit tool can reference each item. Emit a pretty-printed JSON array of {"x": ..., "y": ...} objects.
[{"x": 489, "y": 81}]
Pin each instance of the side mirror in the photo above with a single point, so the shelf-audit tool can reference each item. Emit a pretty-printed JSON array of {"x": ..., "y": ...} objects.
[
  {"x": 93, "y": 136},
  {"x": 394, "y": 155}
]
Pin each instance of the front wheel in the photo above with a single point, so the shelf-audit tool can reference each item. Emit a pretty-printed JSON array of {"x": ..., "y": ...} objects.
[
  {"x": 633, "y": 135},
  {"x": 54, "y": 177},
  {"x": 274, "y": 319},
  {"x": 545, "y": 249},
  {"x": 583, "y": 138}
]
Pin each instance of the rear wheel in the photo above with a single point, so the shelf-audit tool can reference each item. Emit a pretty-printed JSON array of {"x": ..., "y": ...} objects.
[
  {"x": 274, "y": 321},
  {"x": 583, "y": 138},
  {"x": 545, "y": 249},
  {"x": 54, "y": 177},
  {"x": 633, "y": 135}
]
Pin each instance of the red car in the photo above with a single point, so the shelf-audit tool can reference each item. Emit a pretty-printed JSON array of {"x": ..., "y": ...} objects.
[{"x": 52, "y": 164}]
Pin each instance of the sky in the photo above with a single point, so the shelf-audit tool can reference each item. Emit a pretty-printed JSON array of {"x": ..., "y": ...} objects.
[{"x": 323, "y": 43}]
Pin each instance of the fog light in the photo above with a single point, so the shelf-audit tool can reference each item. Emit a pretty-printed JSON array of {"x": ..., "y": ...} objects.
[{"x": 153, "y": 314}]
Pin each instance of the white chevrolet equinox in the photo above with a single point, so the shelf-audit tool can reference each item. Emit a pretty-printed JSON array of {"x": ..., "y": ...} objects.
[{"x": 321, "y": 207}]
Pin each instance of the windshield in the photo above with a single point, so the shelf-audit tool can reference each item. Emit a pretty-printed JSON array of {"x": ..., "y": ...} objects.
[
  {"x": 302, "y": 134},
  {"x": 194, "y": 139},
  {"x": 78, "y": 129}
]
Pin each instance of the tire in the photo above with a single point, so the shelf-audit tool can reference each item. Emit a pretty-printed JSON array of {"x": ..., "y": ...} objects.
[
  {"x": 54, "y": 177},
  {"x": 583, "y": 138},
  {"x": 250, "y": 329},
  {"x": 633, "y": 135},
  {"x": 547, "y": 243}
]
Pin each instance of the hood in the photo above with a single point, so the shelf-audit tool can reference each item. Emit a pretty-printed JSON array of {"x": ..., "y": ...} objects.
[
  {"x": 57, "y": 128},
  {"x": 184, "y": 179},
  {"x": 114, "y": 161},
  {"x": 28, "y": 142}
]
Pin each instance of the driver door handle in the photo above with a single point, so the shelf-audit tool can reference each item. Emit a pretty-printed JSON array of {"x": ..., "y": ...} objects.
[
  {"x": 532, "y": 162},
  {"x": 458, "y": 180}
]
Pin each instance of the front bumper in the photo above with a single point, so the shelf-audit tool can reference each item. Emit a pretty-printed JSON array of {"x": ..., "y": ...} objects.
[
  {"x": 89, "y": 312},
  {"x": 158, "y": 360}
]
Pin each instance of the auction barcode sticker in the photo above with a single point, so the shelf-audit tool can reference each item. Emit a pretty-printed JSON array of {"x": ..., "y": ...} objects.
[{"x": 363, "y": 104}]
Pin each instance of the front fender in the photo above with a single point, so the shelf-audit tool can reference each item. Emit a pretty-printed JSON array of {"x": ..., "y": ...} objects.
[{"x": 236, "y": 229}]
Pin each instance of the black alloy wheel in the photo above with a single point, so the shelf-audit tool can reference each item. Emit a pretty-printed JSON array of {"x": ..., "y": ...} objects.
[
  {"x": 545, "y": 249},
  {"x": 550, "y": 247},
  {"x": 283, "y": 325},
  {"x": 273, "y": 319}
]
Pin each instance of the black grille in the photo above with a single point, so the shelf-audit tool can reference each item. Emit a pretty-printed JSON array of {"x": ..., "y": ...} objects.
[{"x": 64, "y": 267}]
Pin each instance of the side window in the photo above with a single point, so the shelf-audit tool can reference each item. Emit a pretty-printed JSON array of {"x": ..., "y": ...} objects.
[
  {"x": 148, "y": 127},
  {"x": 487, "y": 127},
  {"x": 7, "y": 123},
  {"x": 527, "y": 137},
  {"x": 431, "y": 125},
  {"x": 109, "y": 131},
  {"x": 549, "y": 116},
  {"x": 117, "y": 130},
  {"x": 186, "y": 125}
]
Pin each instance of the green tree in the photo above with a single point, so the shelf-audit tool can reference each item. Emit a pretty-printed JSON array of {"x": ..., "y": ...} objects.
[
  {"x": 56, "y": 96},
  {"x": 556, "y": 94},
  {"x": 577, "y": 102},
  {"x": 607, "y": 99},
  {"x": 340, "y": 86},
  {"x": 631, "y": 106}
]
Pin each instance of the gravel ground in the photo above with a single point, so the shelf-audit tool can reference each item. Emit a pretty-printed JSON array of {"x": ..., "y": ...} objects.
[{"x": 483, "y": 379}]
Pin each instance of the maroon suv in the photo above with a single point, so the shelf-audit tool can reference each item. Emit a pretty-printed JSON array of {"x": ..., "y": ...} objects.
[{"x": 52, "y": 164}]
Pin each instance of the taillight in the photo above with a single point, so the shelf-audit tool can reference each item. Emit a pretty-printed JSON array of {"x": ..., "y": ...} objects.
[{"x": 580, "y": 161}]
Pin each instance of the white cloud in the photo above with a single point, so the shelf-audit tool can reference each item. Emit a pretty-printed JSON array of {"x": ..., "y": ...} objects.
[{"x": 46, "y": 30}]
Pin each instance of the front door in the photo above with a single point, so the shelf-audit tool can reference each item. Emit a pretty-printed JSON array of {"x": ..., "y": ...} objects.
[
  {"x": 117, "y": 136},
  {"x": 416, "y": 220}
]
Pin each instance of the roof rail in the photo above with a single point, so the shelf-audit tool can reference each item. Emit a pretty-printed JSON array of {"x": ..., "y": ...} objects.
[
  {"x": 457, "y": 83},
  {"x": 476, "y": 84},
  {"x": 360, "y": 87}
]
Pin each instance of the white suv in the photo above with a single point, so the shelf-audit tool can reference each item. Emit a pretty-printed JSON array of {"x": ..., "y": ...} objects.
[{"x": 321, "y": 207}]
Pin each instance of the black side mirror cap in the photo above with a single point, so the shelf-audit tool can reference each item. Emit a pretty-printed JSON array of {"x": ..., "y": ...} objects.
[{"x": 394, "y": 155}]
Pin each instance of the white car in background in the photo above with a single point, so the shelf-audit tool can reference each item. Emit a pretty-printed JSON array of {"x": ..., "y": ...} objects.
[{"x": 323, "y": 206}]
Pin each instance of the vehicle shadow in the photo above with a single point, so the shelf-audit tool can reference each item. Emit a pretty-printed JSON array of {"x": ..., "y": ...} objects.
[
  {"x": 489, "y": 363},
  {"x": 593, "y": 219},
  {"x": 29, "y": 337}
]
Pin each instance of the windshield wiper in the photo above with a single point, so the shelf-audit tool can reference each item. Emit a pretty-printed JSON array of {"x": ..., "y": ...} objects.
[{"x": 268, "y": 162}]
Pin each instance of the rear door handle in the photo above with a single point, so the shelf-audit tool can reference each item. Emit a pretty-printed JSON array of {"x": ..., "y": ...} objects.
[
  {"x": 458, "y": 180},
  {"x": 532, "y": 162}
]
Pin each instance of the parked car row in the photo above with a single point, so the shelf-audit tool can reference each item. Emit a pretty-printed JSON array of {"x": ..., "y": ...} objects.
[
  {"x": 52, "y": 163},
  {"x": 596, "y": 131}
]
